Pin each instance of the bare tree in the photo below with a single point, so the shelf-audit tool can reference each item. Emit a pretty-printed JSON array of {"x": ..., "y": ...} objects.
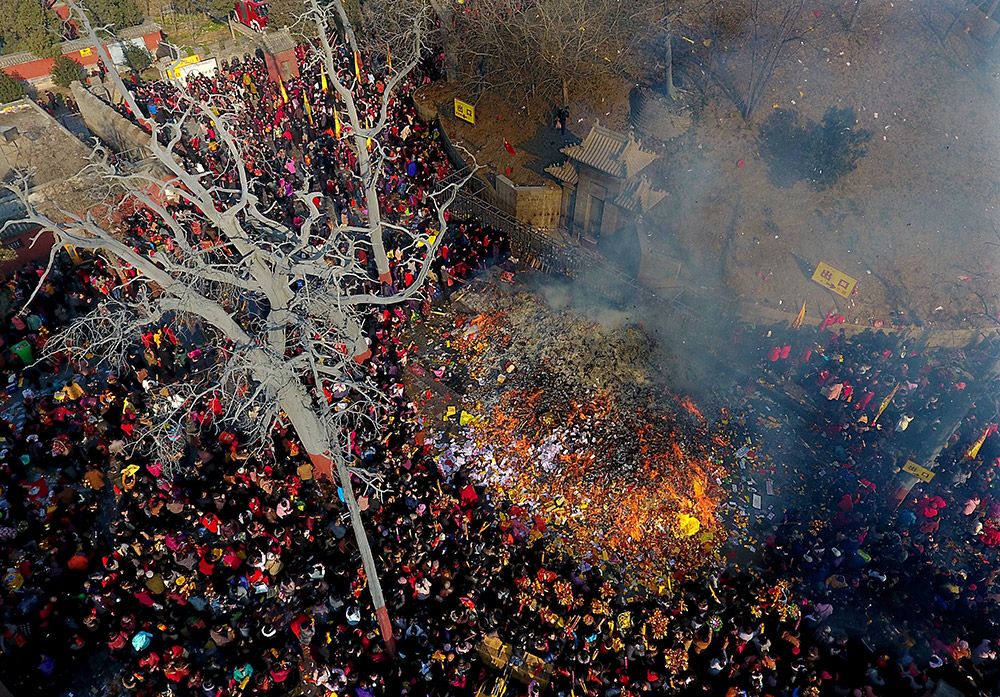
[
  {"x": 545, "y": 46},
  {"x": 306, "y": 290},
  {"x": 668, "y": 58},
  {"x": 744, "y": 69},
  {"x": 448, "y": 36}
]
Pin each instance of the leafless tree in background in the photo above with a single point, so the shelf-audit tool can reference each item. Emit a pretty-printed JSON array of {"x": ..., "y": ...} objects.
[
  {"x": 744, "y": 65},
  {"x": 545, "y": 47}
]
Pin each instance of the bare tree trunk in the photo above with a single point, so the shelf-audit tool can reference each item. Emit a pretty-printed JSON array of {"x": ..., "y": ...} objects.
[
  {"x": 565, "y": 93},
  {"x": 854, "y": 16},
  {"x": 442, "y": 8},
  {"x": 371, "y": 201},
  {"x": 323, "y": 463},
  {"x": 671, "y": 89},
  {"x": 296, "y": 403},
  {"x": 364, "y": 161},
  {"x": 367, "y": 558}
]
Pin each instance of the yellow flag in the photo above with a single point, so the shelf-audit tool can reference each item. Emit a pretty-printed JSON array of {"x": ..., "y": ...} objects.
[
  {"x": 388, "y": 56},
  {"x": 885, "y": 404},
  {"x": 797, "y": 324},
  {"x": 309, "y": 111},
  {"x": 284, "y": 94},
  {"x": 336, "y": 124},
  {"x": 357, "y": 67},
  {"x": 972, "y": 452},
  {"x": 322, "y": 79}
]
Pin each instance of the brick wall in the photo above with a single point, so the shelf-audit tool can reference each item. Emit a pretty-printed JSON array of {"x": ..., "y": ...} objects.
[
  {"x": 107, "y": 124},
  {"x": 538, "y": 206},
  {"x": 27, "y": 67}
]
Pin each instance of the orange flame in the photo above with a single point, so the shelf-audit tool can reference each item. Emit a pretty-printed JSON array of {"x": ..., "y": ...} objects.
[{"x": 604, "y": 514}]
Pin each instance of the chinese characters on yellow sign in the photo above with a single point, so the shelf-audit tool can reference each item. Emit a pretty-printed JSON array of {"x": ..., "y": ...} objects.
[
  {"x": 917, "y": 471},
  {"x": 174, "y": 71},
  {"x": 465, "y": 111},
  {"x": 832, "y": 279}
]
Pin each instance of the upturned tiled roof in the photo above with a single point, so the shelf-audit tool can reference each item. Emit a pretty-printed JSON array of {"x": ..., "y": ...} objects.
[
  {"x": 126, "y": 34},
  {"x": 610, "y": 152},
  {"x": 640, "y": 196},
  {"x": 12, "y": 59},
  {"x": 564, "y": 172}
]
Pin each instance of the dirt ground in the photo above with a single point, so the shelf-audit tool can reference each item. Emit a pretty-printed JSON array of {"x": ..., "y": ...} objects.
[
  {"x": 915, "y": 223},
  {"x": 529, "y": 129}
]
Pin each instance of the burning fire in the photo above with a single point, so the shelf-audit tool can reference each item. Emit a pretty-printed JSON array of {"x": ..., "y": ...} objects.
[
  {"x": 691, "y": 408},
  {"x": 629, "y": 490}
]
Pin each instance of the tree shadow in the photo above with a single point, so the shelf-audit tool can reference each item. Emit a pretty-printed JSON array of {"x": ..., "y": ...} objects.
[
  {"x": 545, "y": 145},
  {"x": 818, "y": 153},
  {"x": 805, "y": 267}
]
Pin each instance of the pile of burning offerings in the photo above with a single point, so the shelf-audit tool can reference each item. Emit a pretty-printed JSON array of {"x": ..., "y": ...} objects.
[{"x": 623, "y": 473}]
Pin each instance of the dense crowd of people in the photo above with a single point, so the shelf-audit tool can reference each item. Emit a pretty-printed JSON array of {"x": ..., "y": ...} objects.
[
  {"x": 240, "y": 576},
  {"x": 907, "y": 564}
]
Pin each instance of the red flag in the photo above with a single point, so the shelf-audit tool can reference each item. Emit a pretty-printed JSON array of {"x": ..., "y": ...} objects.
[{"x": 510, "y": 148}]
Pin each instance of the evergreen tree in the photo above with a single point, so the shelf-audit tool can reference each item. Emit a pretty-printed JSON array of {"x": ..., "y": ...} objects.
[
  {"x": 137, "y": 57},
  {"x": 65, "y": 71},
  {"x": 11, "y": 89},
  {"x": 26, "y": 26},
  {"x": 119, "y": 14}
]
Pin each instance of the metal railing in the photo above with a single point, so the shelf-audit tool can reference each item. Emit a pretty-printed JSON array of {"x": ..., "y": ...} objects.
[{"x": 540, "y": 250}]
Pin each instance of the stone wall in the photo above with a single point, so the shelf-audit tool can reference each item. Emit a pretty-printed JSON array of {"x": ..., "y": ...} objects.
[
  {"x": 537, "y": 206},
  {"x": 117, "y": 132}
]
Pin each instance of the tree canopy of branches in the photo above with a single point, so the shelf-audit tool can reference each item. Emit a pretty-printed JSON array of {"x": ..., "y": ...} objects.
[
  {"x": 283, "y": 304},
  {"x": 757, "y": 35},
  {"x": 545, "y": 47},
  {"x": 65, "y": 70},
  {"x": 287, "y": 13},
  {"x": 25, "y": 25},
  {"x": 11, "y": 89},
  {"x": 137, "y": 57},
  {"x": 119, "y": 14}
]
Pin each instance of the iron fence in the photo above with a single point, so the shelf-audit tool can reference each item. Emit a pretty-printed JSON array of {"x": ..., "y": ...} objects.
[{"x": 542, "y": 251}]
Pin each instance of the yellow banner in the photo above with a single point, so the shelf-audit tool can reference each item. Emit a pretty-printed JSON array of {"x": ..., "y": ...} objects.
[
  {"x": 73, "y": 254},
  {"x": 465, "y": 111},
  {"x": 834, "y": 280},
  {"x": 172, "y": 71},
  {"x": 917, "y": 471},
  {"x": 885, "y": 404}
]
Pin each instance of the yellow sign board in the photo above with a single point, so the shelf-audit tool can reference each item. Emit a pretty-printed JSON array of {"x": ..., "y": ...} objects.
[
  {"x": 917, "y": 471},
  {"x": 73, "y": 254},
  {"x": 172, "y": 71},
  {"x": 835, "y": 280},
  {"x": 465, "y": 111},
  {"x": 87, "y": 51}
]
